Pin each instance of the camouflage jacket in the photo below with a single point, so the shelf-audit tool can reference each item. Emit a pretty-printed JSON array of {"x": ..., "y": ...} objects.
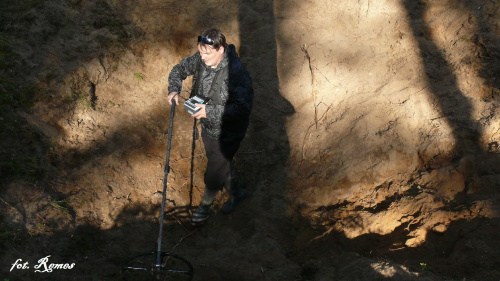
[{"x": 228, "y": 118}]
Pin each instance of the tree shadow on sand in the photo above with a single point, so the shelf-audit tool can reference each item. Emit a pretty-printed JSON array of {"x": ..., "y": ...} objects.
[
  {"x": 486, "y": 40},
  {"x": 453, "y": 250},
  {"x": 464, "y": 248}
]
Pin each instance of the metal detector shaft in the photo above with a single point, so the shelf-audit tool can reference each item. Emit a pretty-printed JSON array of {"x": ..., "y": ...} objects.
[
  {"x": 160, "y": 265},
  {"x": 167, "y": 170}
]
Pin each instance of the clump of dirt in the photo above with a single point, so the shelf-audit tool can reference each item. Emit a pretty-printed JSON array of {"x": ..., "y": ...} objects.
[{"x": 372, "y": 151}]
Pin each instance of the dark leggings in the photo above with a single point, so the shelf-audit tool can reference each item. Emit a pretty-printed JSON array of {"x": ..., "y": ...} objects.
[{"x": 219, "y": 154}]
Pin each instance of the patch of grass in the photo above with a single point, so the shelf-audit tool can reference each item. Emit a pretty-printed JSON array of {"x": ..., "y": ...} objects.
[
  {"x": 59, "y": 204},
  {"x": 138, "y": 76},
  {"x": 84, "y": 102}
]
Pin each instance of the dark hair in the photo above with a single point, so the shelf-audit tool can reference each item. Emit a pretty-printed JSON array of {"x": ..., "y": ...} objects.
[{"x": 218, "y": 38}]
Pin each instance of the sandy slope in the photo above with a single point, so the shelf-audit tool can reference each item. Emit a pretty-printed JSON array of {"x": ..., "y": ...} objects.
[{"x": 372, "y": 152}]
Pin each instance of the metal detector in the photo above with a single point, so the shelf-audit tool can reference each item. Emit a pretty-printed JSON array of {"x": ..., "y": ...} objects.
[{"x": 158, "y": 265}]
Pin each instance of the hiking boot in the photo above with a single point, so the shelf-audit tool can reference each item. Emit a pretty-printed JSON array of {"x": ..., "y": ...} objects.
[
  {"x": 234, "y": 200},
  {"x": 201, "y": 214}
]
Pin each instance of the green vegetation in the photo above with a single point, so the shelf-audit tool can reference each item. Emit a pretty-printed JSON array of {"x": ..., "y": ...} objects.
[
  {"x": 138, "y": 76},
  {"x": 84, "y": 102},
  {"x": 59, "y": 204}
]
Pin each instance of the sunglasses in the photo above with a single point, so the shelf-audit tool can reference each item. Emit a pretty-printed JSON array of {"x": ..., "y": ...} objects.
[{"x": 205, "y": 40}]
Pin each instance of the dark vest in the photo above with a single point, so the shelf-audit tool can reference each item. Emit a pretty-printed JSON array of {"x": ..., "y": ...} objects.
[{"x": 214, "y": 95}]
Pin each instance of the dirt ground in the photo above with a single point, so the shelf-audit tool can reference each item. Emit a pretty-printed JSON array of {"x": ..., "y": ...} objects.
[{"x": 372, "y": 154}]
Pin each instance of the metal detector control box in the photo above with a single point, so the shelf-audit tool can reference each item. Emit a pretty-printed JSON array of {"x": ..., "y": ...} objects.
[{"x": 190, "y": 104}]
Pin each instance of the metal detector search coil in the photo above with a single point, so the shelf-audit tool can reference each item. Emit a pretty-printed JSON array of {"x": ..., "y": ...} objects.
[{"x": 190, "y": 104}]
